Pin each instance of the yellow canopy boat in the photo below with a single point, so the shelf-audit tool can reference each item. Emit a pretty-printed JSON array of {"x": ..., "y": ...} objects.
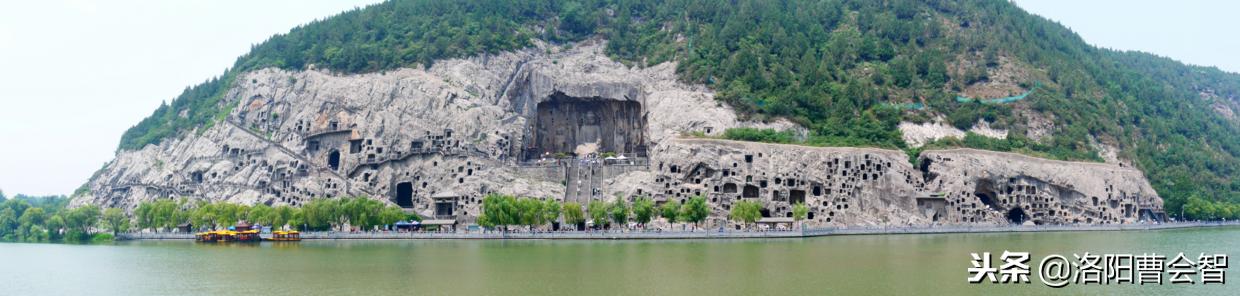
[{"x": 285, "y": 236}]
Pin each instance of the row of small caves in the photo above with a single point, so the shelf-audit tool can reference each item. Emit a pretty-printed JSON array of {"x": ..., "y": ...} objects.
[
  {"x": 1026, "y": 200},
  {"x": 563, "y": 124},
  {"x": 832, "y": 187},
  {"x": 830, "y": 193}
]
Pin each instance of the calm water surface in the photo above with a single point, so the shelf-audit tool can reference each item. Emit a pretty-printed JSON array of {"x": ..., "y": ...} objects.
[{"x": 841, "y": 265}]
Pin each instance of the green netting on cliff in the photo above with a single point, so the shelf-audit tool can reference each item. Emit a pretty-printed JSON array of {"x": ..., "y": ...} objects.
[
  {"x": 1003, "y": 100},
  {"x": 906, "y": 106}
]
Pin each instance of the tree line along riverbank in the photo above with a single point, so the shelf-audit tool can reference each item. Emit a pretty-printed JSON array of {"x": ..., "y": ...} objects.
[
  {"x": 39, "y": 219},
  {"x": 710, "y": 233},
  {"x": 48, "y": 219},
  {"x": 504, "y": 212}
]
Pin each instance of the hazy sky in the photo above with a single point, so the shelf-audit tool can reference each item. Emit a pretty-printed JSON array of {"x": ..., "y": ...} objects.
[
  {"x": 1197, "y": 32},
  {"x": 75, "y": 74}
]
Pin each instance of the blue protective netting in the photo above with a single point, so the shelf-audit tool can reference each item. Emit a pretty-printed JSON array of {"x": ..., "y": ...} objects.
[{"x": 1003, "y": 100}]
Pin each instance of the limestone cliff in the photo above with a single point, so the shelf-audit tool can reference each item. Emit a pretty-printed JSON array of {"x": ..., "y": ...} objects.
[{"x": 436, "y": 140}]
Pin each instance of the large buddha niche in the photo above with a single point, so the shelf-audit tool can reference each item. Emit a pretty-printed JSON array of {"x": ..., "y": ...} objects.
[{"x": 580, "y": 126}]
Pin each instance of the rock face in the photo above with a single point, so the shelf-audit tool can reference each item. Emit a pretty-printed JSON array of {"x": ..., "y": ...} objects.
[
  {"x": 987, "y": 186},
  {"x": 436, "y": 141},
  {"x": 917, "y": 135},
  {"x": 863, "y": 186},
  {"x": 841, "y": 186}
]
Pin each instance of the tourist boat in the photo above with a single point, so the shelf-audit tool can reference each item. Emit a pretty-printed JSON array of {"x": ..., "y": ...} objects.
[
  {"x": 285, "y": 236},
  {"x": 242, "y": 232},
  {"x": 248, "y": 236},
  {"x": 208, "y": 237},
  {"x": 228, "y": 236}
]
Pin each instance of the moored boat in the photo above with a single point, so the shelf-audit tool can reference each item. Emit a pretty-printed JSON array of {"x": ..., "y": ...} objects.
[
  {"x": 285, "y": 236},
  {"x": 242, "y": 232},
  {"x": 208, "y": 237}
]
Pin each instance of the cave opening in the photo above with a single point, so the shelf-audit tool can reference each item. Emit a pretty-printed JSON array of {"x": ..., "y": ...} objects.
[
  {"x": 581, "y": 126},
  {"x": 404, "y": 194},
  {"x": 1017, "y": 216},
  {"x": 750, "y": 191},
  {"x": 926, "y": 175},
  {"x": 985, "y": 192},
  {"x": 444, "y": 209},
  {"x": 796, "y": 196},
  {"x": 333, "y": 160}
]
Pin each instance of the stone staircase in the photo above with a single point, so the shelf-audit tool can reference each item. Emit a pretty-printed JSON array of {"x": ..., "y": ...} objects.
[
  {"x": 582, "y": 181},
  {"x": 570, "y": 181}
]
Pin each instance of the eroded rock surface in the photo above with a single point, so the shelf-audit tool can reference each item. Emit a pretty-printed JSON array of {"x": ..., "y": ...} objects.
[
  {"x": 863, "y": 186},
  {"x": 987, "y": 186},
  {"x": 436, "y": 141}
]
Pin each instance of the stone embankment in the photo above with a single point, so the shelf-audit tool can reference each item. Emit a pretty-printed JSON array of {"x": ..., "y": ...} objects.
[{"x": 712, "y": 234}]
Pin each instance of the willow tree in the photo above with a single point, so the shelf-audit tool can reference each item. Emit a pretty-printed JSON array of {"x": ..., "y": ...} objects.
[
  {"x": 573, "y": 213},
  {"x": 261, "y": 214},
  {"x": 551, "y": 210},
  {"x": 530, "y": 212},
  {"x": 498, "y": 211},
  {"x": 799, "y": 212},
  {"x": 115, "y": 220},
  {"x": 392, "y": 214},
  {"x": 695, "y": 210},
  {"x": 670, "y": 210},
  {"x": 747, "y": 212},
  {"x": 643, "y": 210},
  {"x": 619, "y": 211},
  {"x": 598, "y": 212}
]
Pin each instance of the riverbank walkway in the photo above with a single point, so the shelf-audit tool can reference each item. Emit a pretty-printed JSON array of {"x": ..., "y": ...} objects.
[{"x": 706, "y": 234}]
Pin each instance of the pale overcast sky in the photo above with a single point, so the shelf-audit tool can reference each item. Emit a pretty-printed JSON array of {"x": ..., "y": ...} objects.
[
  {"x": 1199, "y": 32},
  {"x": 75, "y": 74}
]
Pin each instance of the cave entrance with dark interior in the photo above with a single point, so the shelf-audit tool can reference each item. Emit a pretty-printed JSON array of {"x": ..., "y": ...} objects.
[
  {"x": 1017, "y": 216},
  {"x": 750, "y": 191},
  {"x": 796, "y": 196},
  {"x": 985, "y": 192},
  {"x": 333, "y": 160},
  {"x": 577, "y": 126},
  {"x": 404, "y": 194},
  {"x": 926, "y": 175}
]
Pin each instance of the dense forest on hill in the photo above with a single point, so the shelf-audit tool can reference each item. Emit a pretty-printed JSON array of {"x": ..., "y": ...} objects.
[{"x": 836, "y": 67}]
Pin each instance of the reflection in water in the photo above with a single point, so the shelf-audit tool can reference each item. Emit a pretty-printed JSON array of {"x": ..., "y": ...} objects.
[{"x": 882, "y": 264}]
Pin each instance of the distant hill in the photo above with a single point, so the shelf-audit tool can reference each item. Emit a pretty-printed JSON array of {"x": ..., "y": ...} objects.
[{"x": 846, "y": 70}]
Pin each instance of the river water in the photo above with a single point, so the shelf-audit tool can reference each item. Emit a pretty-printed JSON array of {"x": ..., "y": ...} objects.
[{"x": 915, "y": 264}]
